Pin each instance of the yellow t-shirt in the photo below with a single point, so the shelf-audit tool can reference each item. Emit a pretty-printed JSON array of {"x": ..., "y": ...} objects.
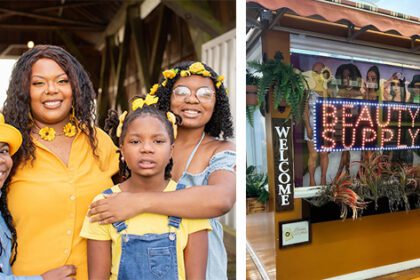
[
  {"x": 143, "y": 224},
  {"x": 48, "y": 201}
]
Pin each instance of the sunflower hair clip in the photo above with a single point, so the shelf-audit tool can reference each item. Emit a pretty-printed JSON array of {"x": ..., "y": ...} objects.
[
  {"x": 120, "y": 125},
  {"x": 150, "y": 99},
  {"x": 172, "y": 119}
]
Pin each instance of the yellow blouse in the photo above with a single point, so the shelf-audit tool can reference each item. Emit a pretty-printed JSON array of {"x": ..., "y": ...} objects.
[{"x": 49, "y": 200}]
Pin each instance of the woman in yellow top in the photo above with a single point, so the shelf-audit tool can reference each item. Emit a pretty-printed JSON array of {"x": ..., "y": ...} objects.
[{"x": 63, "y": 163}]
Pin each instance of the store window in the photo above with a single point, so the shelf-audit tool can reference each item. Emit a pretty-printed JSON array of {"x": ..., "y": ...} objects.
[
  {"x": 256, "y": 147},
  {"x": 360, "y": 113}
]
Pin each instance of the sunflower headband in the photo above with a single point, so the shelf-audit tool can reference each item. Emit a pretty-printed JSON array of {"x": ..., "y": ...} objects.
[
  {"x": 197, "y": 68},
  {"x": 150, "y": 99}
]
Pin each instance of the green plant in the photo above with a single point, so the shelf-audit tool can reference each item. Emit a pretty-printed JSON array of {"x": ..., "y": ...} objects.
[
  {"x": 286, "y": 82},
  {"x": 255, "y": 184},
  {"x": 250, "y": 109},
  {"x": 377, "y": 177},
  {"x": 372, "y": 169},
  {"x": 251, "y": 79}
]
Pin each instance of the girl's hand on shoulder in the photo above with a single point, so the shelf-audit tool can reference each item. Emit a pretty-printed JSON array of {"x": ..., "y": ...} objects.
[
  {"x": 61, "y": 273},
  {"x": 116, "y": 207}
]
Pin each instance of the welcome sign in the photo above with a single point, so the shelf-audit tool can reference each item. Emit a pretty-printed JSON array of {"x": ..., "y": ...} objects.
[
  {"x": 283, "y": 163},
  {"x": 349, "y": 124}
]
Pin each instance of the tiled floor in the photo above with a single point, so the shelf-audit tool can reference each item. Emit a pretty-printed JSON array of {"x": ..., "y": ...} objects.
[
  {"x": 260, "y": 236},
  {"x": 252, "y": 272}
]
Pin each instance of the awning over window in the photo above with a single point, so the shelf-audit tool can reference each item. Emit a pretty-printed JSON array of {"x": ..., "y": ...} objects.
[{"x": 340, "y": 11}]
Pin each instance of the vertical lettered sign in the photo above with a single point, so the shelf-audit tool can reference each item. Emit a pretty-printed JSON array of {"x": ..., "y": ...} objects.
[{"x": 283, "y": 163}]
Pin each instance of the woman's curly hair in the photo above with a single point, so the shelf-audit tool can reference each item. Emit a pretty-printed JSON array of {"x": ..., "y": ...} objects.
[
  {"x": 112, "y": 122},
  {"x": 4, "y": 209},
  {"x": 17, "y": 108},
  {"x": 220, "y": 124}
]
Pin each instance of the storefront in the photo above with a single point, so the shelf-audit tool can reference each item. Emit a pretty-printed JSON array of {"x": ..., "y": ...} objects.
[{"x": 343, "y": 171}]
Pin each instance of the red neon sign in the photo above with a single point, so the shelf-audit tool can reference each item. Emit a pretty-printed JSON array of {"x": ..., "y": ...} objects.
[{"x": 348, "y": 124}]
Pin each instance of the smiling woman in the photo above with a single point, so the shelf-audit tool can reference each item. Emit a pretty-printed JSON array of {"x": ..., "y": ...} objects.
[
  {"x": 63, "y": 162},
  {"x": 194, "y": 109},
  {"x": 51, "y": 102},
  {"x": 50, "y": 91}
]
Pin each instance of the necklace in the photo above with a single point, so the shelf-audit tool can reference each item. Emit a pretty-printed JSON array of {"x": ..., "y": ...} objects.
[{"x": 49, "y": 134}]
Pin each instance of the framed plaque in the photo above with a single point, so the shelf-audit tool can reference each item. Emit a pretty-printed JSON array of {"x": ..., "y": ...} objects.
[{"x": 294, "y": 233}]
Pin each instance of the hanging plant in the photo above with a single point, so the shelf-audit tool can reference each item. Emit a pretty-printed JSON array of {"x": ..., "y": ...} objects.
[{"x": 286, "y": 83}]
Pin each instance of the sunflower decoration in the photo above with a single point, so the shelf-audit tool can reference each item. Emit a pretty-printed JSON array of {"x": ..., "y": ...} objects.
[
  {"x": 206, "y": 73},
  {"x": 220, "y": 80},
  {"x": 47, "y": 133},
  {"x": 153, "y": 89},
  {"x": 169, "y": 74},
  {"x": 69, "y": 130},
  {"x": 197, "y": 68}
]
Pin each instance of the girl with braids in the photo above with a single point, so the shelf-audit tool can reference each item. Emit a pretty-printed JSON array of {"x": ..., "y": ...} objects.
[
  {"x": 63, "y": 162},
  {"x": 202, "y": 157},
  {"x": 10, "y": 141},
  {"x": 146, "y": 246}
]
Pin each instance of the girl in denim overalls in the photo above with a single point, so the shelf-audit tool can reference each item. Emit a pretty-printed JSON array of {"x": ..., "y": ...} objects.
[
  {"x": 147, "y": 246},
  {"x": 203, "y": 157},
  {"x": 10, "y": 141}
]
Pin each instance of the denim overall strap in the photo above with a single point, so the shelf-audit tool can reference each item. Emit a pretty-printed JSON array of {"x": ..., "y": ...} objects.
[
  {"x": 193, "y": 152},
  {"x": 172, "y": 220},
  {"x": 119, "y": 226}
]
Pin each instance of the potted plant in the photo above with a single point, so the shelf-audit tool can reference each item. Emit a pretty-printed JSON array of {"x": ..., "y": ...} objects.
[
  {"x": 256, "y": 192},
  {"x": 286, "y": 83},
  {"x": 379, "y": 184},
  {"x": 251, "y": 89}
]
